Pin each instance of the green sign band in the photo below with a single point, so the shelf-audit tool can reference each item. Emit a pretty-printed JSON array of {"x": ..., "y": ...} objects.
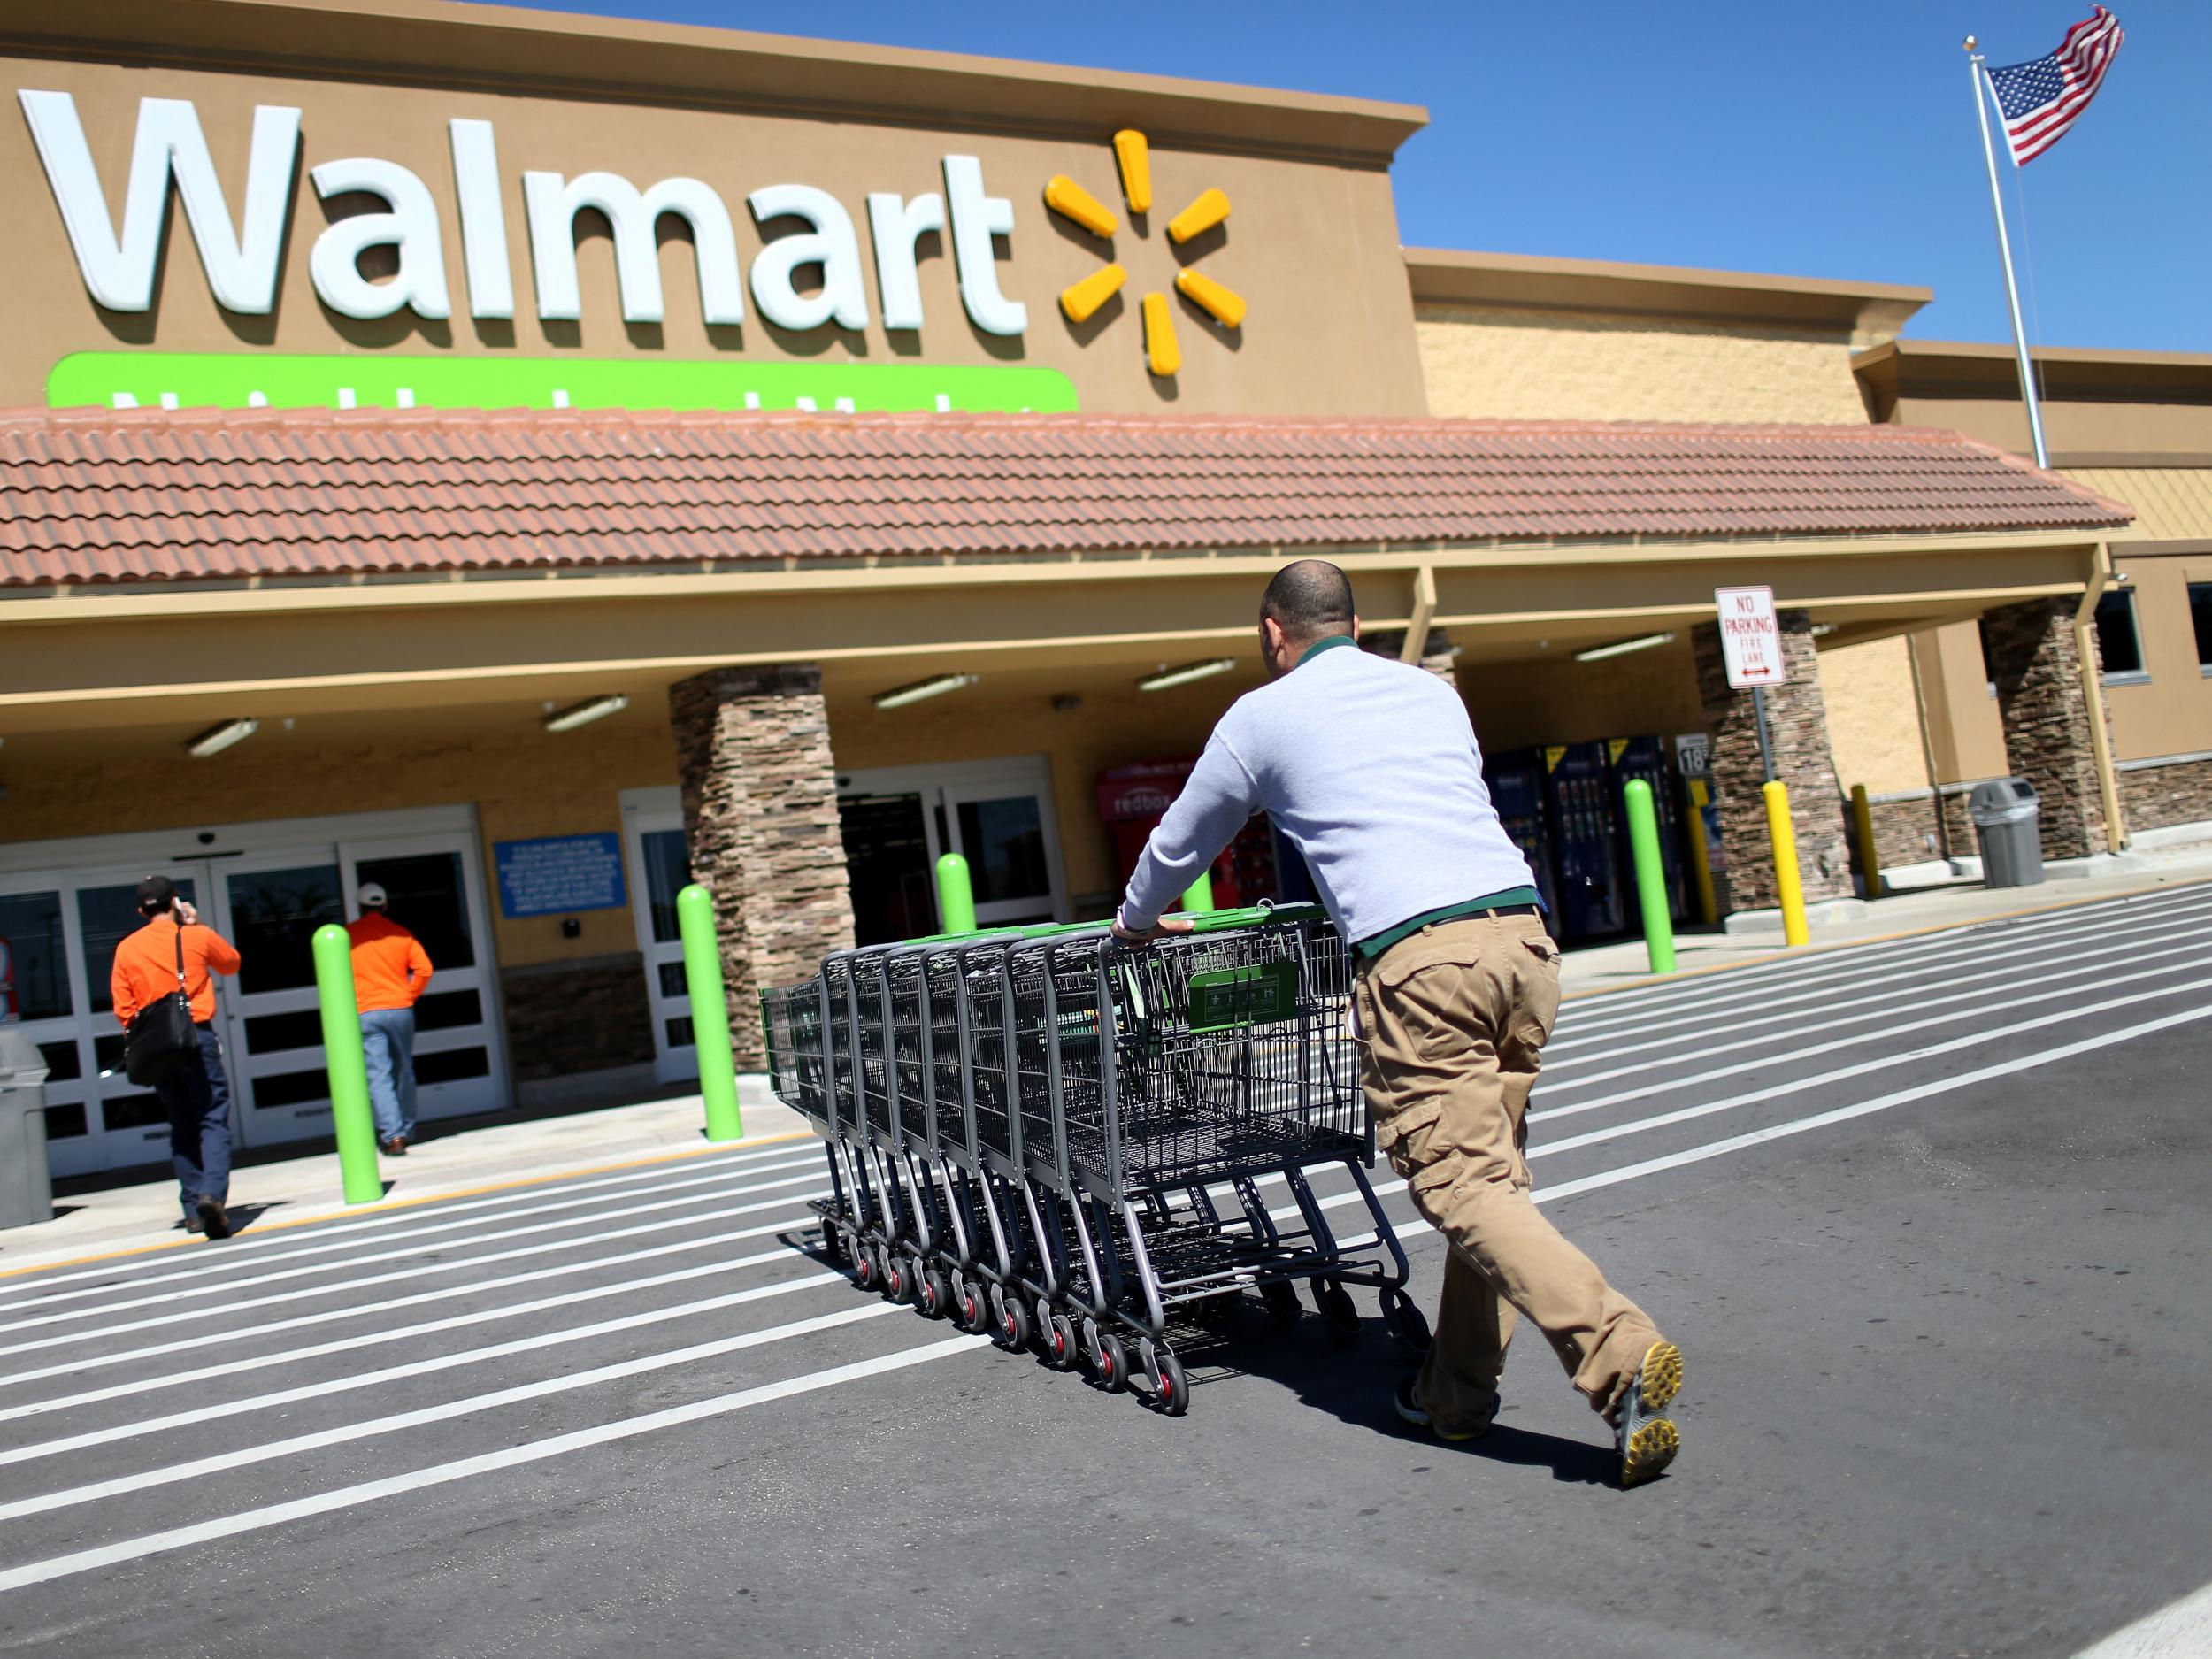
[{"x": 242, "y": 380}]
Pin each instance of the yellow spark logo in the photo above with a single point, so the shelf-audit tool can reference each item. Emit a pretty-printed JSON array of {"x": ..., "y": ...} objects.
[{"x": 1080, "y": 301}]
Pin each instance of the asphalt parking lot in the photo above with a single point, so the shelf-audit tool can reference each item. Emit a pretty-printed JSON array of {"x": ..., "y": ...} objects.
[{"x": 1928, "y": 1218}]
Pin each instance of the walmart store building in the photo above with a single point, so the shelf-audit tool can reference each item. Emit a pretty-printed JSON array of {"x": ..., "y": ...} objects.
[{"x": 520, "y": 459}]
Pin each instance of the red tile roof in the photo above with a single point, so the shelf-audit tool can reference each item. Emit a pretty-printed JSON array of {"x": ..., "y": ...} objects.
[{"x": 94, "y": 495}]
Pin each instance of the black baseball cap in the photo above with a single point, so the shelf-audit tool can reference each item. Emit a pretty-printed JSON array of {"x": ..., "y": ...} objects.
[{"x": 155, "y": 894}]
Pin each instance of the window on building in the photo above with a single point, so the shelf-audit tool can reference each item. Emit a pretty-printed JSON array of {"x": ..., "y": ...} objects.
[
  {"x": 1989, "y": 657},
  {"x": 2119, "y": 642},
  {"x": 2200, "y": 619}
]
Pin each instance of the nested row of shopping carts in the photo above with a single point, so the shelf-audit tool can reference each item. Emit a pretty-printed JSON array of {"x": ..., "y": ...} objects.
[{"x": 1081, "y": 1146}]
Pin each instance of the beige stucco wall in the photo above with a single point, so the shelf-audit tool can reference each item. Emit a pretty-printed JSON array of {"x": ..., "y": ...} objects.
[
  {"x": 1312, "y": 245},
  {"x": 2171, "y": 712},
  {"x": 1873, "y": 720},
  {"x": 2108, "y": 428},
  {"x": 1966, "y": 736},
  {"x": 2171, "y": 504},
  {"x": 1574, "y": 366}
]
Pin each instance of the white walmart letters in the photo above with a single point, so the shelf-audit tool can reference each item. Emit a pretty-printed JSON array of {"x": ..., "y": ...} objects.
[
  {"x": 240, "y": 261},
  {"x": 554, "y": 203},
  {"x": 242, "y": 269},
  {"x": 411, "y": 227}
]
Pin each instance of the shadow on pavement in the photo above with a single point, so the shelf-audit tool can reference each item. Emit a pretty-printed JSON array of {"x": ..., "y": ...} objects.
[{"x": 1352, "y": 1381}]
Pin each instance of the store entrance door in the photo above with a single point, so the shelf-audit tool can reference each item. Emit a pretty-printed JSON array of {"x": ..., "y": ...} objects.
[
  {"x": 64, "y": 921},
  {"x": 660, "y": 868},
  {"x": 996, "y": 814}
]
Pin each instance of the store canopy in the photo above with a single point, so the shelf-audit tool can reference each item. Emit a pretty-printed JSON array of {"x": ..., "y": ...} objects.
[{"x": 98, "y": 496}]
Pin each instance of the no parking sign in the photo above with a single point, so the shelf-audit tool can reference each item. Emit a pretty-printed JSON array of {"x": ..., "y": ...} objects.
[{"x": 1750, "y": 637}]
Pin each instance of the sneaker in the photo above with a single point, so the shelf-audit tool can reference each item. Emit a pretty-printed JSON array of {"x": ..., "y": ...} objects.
[
  {"x": 213, "y": 1220},
  {"x": 1648, "y": 1441},
  {"x": 1414, "y": 1412}
]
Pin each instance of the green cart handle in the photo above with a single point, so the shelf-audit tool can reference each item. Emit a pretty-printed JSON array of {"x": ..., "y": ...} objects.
[{"x": 1256, "y": 916}]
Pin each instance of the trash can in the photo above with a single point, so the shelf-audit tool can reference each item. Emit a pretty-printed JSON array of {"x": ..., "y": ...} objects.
[
  {"x": 2006, "y": 815},
  {"x": 26, "y": 1193}
]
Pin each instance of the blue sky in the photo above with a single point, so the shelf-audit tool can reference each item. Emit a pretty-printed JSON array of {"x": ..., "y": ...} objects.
[{"x": 1833, "y": 139}]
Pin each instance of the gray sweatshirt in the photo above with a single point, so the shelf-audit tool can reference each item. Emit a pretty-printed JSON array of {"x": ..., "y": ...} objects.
[{"x": 1370, "y": 768}]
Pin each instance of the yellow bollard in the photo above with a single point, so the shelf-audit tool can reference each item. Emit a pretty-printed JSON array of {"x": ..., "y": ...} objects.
[
  {"x": 1788, "y": 890},
  {"x": 1702, "y": 855},
  {"x": 1862, "y": 823}
]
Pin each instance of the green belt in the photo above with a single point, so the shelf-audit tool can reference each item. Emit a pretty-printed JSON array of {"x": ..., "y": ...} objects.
[{"x": 1373, "y": 946}]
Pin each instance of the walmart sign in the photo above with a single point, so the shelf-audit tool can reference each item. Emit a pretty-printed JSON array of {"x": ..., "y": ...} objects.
[{"x": 239, "y": 246}]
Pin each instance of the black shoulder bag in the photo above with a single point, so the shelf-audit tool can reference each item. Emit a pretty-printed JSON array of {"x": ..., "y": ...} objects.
[{"x": 161, "y": 1034}]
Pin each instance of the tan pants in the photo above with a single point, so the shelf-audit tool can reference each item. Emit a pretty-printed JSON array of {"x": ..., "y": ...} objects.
[{"x": 1454, "y": 1017}]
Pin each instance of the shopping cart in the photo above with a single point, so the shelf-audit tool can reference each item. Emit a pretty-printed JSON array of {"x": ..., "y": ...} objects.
[{"x": 1059, "y": 1138}]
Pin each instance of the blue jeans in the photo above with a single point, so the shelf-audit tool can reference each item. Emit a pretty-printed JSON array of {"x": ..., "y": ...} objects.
[
  {"x": 387, "y": 1043},
  {"x": 196, "y": 1095}
]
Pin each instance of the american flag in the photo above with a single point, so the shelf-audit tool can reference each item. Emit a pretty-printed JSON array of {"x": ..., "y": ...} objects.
[{"x": 2040, "y": 100}]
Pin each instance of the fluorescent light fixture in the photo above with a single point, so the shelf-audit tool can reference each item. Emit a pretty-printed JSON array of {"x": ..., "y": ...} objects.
[
  {"x": 899, "y": 696},
  {"x": 216, "y": 739},
  {"x": 584, "y": 713},
  {"x": 1621, "y": 648},
  {"x": 1187, "y": 673}
]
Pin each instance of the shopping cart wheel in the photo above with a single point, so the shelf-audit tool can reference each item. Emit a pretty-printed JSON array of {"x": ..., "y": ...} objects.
[
  {"x": 1058, "y": 1337},
  {"x": 1408, "y": 1327},
  {"x": 1282, "y": 1302},
  {"x": 1171, "y": 1389},
  {"x": 1013, "y": 1324},
  {"x": 866, "y": 1273},
  {"x": 972, "y": 1307},
  {"x": 895, "y": 1282},
  {"x": 1336, "y": 1306},
  {"x": 1113, "y": 1363},
  {"x": 936, "y": 1293}
]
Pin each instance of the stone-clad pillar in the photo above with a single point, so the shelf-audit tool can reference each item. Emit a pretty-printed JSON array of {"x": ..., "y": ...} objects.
[
  {"x": 2044, "y": 703},
  {"x": 760, "y": 816},
  {"x": 1797, "y": 726}
]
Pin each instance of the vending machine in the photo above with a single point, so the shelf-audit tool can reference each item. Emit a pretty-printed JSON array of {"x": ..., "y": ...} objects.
[
  {"x": 1646, "y": 757},
  {"x": 1515, "y": 781},
  {"x": 1586, "y": 841}
]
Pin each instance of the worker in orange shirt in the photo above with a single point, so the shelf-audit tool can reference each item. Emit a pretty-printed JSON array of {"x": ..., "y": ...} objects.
[
  {"x": 196, "y": 1094},
  {"x": 391, "y": 971}
]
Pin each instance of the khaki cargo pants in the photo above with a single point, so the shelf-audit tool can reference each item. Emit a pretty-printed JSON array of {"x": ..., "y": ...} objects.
[{"x": 1454, "y": 1017}]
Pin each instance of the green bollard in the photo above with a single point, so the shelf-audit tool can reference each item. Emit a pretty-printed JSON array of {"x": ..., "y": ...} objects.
[
  {"x": 1198, "y": 898},
  {"x": 956, "y": 895},
  {"x": 348, "y": 1066},
  {"x": 710, "y": 1013},
  {"x": 1651, "y": 876}
]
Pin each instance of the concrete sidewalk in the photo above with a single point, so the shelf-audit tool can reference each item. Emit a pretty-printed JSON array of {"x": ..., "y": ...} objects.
[
  {"x": 284, "y": 1193},
  {"x": 120, "y": 1220}
]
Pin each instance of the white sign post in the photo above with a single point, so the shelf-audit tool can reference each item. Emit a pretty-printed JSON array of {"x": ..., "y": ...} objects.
[{"x": 1751, "y": 648}]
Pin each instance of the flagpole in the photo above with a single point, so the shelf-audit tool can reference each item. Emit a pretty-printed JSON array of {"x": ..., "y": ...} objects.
[{"x": 2004, "y": 251}]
